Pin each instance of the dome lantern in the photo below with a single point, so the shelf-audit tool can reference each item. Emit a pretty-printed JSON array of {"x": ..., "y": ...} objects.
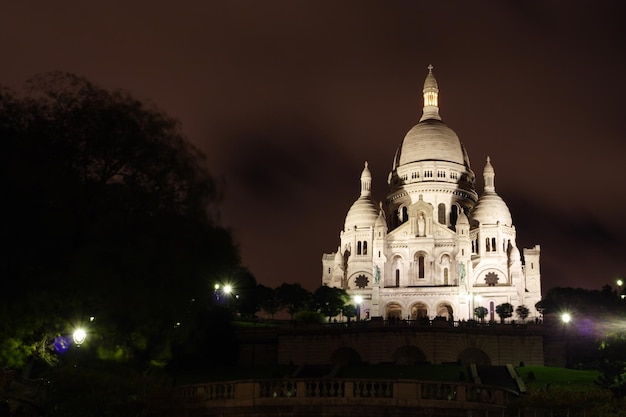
[{"x": 431, "y": 97}]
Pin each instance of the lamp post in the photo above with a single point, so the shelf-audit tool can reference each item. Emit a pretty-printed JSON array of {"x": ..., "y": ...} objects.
[
  {"x": 566, "y": 318},
  {"x": 620, "y": 292}
]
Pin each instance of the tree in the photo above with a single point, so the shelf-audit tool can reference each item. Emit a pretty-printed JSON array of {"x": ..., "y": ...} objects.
[
  {"x": 481, "y": 312},
  {"x": 522, "y": 312},
  {"x": 349, "y": 311},
  {"x": 293, "y": 297},
  {"x": 540, "y": 306},
  {"x": 504, "y": 311},
  {"x": 115, "y": 220},
  {"x": 268, "y": 299},
  {"x": 613, "y": 363},
  {"x": 329, "y": 300}
]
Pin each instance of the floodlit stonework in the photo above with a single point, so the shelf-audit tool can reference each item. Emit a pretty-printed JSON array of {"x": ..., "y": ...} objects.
[{"x": 434, "y": 247}]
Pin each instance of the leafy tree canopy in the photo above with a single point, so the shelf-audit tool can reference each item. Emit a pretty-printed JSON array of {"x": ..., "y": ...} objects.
[
  {"x": 329, "y": 300},
  {"x": 109, "y": 222},
  {"x": 504, "y": 311}
]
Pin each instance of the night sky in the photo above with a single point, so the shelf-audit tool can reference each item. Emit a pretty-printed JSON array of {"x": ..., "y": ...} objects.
[{"x": 288, "y": 99}]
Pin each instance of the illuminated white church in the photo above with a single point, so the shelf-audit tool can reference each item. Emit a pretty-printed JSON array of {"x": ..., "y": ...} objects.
[{"x": 434, "y": 247}]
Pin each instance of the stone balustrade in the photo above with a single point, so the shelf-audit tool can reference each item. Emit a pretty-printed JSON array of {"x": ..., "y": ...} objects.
[{"x": 325, "y": 396}]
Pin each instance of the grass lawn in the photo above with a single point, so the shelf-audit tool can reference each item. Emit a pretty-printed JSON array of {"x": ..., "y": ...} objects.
[{"x": 541, "y": 376}]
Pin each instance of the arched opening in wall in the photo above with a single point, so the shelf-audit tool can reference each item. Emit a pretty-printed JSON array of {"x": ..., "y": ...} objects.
[
  {"x": 441, "y": 213},
  {"x": 473, "y": 355},
  {"x": 394, "y": 311},
  {"x": 445, "y": 276},
  {"x": 365, "y": 247},
  {"x": 421, "y": 265},
  {"x": 454, "y": 215},
  {"x": 409, "y": 355},
  {"x": 405, "y": 214},
  {"x": 358, "y": 247},
  {"x": 419, "y": 311},
  {"x": 345, "y": 356},
  {"x": 492, "y": 311},
  {"x": 396, "y": 267},
  {"x": 445, "y": 310}
]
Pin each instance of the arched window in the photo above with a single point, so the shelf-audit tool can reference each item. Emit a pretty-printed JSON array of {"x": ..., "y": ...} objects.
[
  {"x": 365, "y": 247},
  {"x": 397, "y": 277},
  {"x": 445, "y": 276},
  {"x": 473, "y": 247},
  {"x": 493, "y": 244},
  {"x": 441, "y": 213},
  {"x": 454, "y": 214},
  {"x": 405, "y": 214},
  {"x": 420, "y": 266},
  {"x": 358, "y": 247},
  {"x": 488, "y": 245}
]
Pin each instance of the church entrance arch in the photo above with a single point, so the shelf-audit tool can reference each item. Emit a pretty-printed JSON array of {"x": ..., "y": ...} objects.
[
  {"x": 419, "y": 311},
  {"x": 444, "y": 309},
  {"x": 394, "y": 311}
]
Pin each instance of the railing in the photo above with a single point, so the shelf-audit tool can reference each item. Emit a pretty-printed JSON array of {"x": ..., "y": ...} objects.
[{"x": 387, "y": 393}]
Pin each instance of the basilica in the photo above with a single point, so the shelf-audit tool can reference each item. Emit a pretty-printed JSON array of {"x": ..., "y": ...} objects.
[{"x": 434, "y": 247}]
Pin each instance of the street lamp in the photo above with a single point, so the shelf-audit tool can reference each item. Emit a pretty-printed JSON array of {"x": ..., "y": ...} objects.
[
  {"x": 358, "y": 300},
  {"x": 566, "y": 318},
  {"x": 619, "y": 285},
  {"x": 79, "y": 336}
]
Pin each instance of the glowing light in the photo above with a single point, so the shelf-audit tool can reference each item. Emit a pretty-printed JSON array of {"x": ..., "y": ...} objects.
[
  {"x": 61, "y": 344},
  {"x": 79, "y": 336},
  {"x": 566, "y": 317},
  {"x": 358, "y": 299},
  {"x": 217, "y": 287},
  {"x": 478, "y": 298},
  {"x": 227, "y": 289},
  {"x": 620, "y": 282}
]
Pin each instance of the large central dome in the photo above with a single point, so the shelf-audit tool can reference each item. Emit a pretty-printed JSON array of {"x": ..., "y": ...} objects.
[{"x": 431, "y": 139}]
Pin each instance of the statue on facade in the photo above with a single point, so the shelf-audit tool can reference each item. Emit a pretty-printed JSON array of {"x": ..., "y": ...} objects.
[
  {"x": 376, "y": 274},
  {"x": 421, "y": 225}
]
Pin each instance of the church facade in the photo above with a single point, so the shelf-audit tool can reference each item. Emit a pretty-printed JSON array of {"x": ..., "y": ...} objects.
[{"x": 434, "y": 247}]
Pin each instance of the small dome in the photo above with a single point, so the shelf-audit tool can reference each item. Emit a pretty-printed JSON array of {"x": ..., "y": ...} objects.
[
  {"x": 462, "y": 219},
  {"x": 363, "y": 212},
  {"x": 514, "y": 255},
  {"x": 338, "y": 257},
  {"x": 380, "y": 220},
  {"x": 490, "y": 208}
]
